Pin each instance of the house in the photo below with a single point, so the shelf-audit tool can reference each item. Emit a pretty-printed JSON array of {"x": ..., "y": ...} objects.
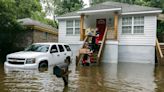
[
  {"x": 35, "y": 32},
  {"x": 130, "y": 35}
]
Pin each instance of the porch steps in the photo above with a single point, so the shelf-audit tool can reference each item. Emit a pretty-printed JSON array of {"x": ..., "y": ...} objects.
[
  {"x": 96, "y": 56},
  {"x": 160, "y": 52},
  {"x": 162, "y": 47},
  {"x": 93, "y": 58}
]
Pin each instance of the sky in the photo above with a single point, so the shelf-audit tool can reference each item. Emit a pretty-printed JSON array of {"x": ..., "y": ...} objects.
[{"x": 86, "y": 2}]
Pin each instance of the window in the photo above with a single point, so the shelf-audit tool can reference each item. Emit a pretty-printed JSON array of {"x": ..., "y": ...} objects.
[
  {"x": 61, "y": 48},
  {"x": 126, "y": 25},
  {"x": 37, "y": 48},
  {"x": 133, "y": 25},
  {"x": 67, "y": 47},
  {"x": 69, "y": 26},
  {"x": 72, "y": 27},
  {"x": 77, "y": 27},
  {"x": 138, "y": 24},
  {"x": 54, "y": 49}
]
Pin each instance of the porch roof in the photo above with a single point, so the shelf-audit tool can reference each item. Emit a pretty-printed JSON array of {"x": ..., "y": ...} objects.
[{"x": 124, "y": 9}]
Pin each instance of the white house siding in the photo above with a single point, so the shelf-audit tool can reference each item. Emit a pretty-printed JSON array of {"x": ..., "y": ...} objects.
[
  {"x": 148, "y": 38},
  {"x": 70, "y": 39},
  {"x": 75, "y": 49},
  {"x": 136, "y": 54},
  {"x": 138, "y": 48},
  {"x": 110, "y": 53}
]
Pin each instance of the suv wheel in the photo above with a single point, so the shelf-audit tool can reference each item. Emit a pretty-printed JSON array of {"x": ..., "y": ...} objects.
[
  {"x": 43, "y": 66},
  {"x": 67, "y": 60}
]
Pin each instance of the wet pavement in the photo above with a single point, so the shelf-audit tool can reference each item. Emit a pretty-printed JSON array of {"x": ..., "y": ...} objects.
[{"x": 124, "y": 77}]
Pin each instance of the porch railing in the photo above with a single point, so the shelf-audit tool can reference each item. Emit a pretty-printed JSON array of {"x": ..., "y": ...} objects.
[
  {"x": 79, "y": 56},
  {"x": 159, "y": 52},
  {"x": 102, "y": 45}
]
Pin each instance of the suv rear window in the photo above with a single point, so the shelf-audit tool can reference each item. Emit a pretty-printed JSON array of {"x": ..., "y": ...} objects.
[
  {"x": 61, "y": 48},
  {"x": 67, "y": 47}
]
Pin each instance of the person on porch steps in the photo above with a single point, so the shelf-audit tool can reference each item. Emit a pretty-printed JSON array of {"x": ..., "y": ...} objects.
[
  {"x": 86, "y": 60},
  {"x": 97, "y": 39}
]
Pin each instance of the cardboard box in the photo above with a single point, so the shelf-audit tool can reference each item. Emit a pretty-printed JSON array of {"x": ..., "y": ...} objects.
[{"x": 84, "y": 51}]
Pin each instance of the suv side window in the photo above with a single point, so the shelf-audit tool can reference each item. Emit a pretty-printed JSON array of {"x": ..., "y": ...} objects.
[
  {"x": 67, "y": 47},
  {"x": 54, "y": 49},
  {"x": 61, "y": 48}
]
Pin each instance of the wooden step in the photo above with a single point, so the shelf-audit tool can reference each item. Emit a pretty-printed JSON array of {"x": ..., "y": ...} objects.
[{"x": 162, "y": 48}]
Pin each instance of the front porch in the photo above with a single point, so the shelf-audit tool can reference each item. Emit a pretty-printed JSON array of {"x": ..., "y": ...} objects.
[
  {"x": 107, "y": 25},
  {"x": 89, "y": 20}
]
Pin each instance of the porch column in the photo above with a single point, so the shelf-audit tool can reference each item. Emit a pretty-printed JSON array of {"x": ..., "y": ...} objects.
[
  {"x": 81, "y": 27},
  {"x": 116, "y": 25}
]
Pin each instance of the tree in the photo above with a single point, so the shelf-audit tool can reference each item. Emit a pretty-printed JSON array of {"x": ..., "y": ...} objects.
[
  {"x": 65, "y": 6},
  {"x": 8, "y": 25},
  {"x": 7, "y": 14},
  {"x": 48, "y": 6},
  {"x": 10, "y": 11},
  {"x": 26, "y": 8},
  {"x": 31, "y": 9}
]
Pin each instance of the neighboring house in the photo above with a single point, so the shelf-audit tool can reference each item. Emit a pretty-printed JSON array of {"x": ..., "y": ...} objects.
[
  {"x": 131, "y": 35},
  {"x": 35, "y": 32}
]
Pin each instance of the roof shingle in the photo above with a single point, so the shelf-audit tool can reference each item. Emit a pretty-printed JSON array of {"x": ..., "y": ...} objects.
[{"x": 125, "y": 8}]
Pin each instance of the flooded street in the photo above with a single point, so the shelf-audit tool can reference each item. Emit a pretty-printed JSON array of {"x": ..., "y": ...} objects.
[{"x": 124, "y": 77}]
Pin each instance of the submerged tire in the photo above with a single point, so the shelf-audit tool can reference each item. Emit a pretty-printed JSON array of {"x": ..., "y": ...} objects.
[
  {"x": 43, "y": 66},
  {"x": 67, "y": 60}
]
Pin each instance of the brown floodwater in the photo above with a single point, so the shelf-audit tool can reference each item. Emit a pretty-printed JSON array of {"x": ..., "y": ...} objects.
[{"x": 124, "y": 77}]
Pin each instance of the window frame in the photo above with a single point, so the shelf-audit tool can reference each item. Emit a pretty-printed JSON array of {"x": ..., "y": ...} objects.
[
  {"x": 133, "y": 25},
  {"x": 77, "y": 27},
  {"x": 56, "y": 48},
  {"x": 74, "y": 27},
  {"x": 138, "y": 25},
  {"x": 69, "y": 27},
  {"x": 127, "y": 25},
  {"x": 67, "y": 47},
  {"x": 60, "y": 49}
]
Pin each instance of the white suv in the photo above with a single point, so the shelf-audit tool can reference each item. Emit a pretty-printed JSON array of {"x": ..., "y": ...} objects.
[{"x": 38, "y": 55}]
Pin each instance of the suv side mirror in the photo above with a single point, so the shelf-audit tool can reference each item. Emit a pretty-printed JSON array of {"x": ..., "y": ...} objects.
[{"x": 53, "y": 50}]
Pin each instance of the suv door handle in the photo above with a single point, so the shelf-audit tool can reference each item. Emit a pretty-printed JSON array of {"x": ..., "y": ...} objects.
[{"x": 58, "y": 55}]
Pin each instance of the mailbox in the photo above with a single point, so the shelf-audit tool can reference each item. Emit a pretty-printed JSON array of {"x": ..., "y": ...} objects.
[{"x": 61, "y": 71}]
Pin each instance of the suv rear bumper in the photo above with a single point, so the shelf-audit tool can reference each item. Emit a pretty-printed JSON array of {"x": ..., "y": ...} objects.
[{"x": 25, "y": 66}]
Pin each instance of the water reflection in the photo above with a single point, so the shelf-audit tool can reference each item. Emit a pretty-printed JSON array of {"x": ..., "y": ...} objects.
[
  {"x": 115, "y": 78},
  {"x": 159, "y": 78},
  {"x": 124, "y": 77},
  {"x": 136, "y": 77}
]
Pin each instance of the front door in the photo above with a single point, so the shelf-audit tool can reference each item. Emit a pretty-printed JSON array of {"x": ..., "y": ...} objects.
[{"x": 101, "y": 25}]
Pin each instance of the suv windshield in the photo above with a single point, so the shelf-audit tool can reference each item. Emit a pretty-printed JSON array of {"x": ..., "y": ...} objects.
[{"x": 38, "y": 48}]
